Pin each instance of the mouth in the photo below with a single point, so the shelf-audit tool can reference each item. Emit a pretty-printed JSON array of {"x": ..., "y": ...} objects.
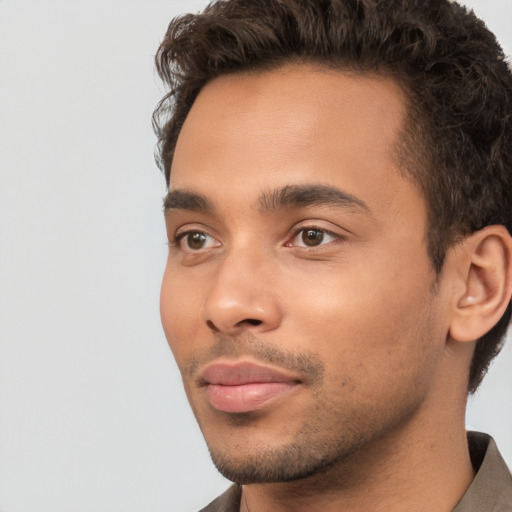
[{"x": 238, "y": 387}]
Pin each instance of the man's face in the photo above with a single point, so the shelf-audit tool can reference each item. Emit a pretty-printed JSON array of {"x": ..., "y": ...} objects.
[{"x": 298, "y": 298}]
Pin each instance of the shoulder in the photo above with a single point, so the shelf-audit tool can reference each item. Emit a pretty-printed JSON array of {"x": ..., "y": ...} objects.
[{"x": 229, "y": 501}]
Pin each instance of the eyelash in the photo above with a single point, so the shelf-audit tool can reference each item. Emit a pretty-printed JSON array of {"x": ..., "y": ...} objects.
[
  {"x": 176, "y": 242},
  {"x": 325, "y": 232},
  {"x": 180, "y": 236}
]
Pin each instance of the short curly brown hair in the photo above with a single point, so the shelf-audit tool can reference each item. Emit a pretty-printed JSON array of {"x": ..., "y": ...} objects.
[{"x": 457, "y": 143}]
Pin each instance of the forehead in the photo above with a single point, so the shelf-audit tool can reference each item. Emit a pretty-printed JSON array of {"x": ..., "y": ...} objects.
[{"x": 297, "y": 124}]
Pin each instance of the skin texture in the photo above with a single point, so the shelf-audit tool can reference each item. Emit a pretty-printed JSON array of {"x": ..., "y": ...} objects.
[{"x": 359, "y": 319}]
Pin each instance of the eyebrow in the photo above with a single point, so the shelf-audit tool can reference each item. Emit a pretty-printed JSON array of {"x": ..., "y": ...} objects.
[
  {"x": 289, "y": 196},
  {"x": 185, "y": 200},
  {"x": 296, "y": 196}
]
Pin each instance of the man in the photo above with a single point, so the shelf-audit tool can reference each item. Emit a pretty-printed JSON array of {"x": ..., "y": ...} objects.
[{"x": 340, "y": 264}]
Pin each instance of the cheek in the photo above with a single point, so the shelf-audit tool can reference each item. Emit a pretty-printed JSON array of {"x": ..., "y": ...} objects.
[
  {"x": 375, "y": 359},
  {"x": 368, "y": 328},
  {"x": 179, "y": 306}
]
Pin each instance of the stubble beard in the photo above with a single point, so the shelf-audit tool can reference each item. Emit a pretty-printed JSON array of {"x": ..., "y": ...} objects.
[
  {"x": 314, "y": 452},
  {"x": 329, "y": 443},
  {"x": 300, "y": 459}
]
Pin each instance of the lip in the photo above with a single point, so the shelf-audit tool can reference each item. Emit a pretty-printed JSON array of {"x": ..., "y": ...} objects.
[{"x": 244, "y": 386}]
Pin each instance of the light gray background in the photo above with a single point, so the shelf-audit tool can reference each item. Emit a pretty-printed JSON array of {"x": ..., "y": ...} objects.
[{"x": 92, "y": 415}]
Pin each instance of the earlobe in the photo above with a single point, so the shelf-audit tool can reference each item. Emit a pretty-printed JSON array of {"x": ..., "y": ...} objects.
[{"x": 485, "y": 268}]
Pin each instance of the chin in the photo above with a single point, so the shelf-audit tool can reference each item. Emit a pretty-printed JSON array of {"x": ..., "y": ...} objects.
[
  {"x": 285, "y": 464},
  {"x": 273, "y": 456}
]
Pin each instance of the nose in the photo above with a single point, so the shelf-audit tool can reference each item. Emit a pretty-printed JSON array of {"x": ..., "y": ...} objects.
[{"x": 241, "y": 296}]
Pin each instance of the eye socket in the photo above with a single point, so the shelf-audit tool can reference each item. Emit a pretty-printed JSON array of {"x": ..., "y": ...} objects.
[
  {"x": 312, "y": 237},
  {"x": 194, "y": 240}
]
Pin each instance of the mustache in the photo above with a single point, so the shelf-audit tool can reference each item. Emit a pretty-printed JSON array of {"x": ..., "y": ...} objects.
[{"x": 247, "y": 345}]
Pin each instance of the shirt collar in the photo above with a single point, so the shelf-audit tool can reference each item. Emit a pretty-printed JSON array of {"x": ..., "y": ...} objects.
[{"x": 491, "y": 489}]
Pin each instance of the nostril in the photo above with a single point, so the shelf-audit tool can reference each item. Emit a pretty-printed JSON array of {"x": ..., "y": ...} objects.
[
  {"x": 211, "y": 325},
  {"x": 246, "y": 322},
  {"x": 250, "y": 321}
]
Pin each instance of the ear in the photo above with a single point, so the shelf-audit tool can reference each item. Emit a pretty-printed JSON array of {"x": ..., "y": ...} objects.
[{"x": 484, "y": 275}]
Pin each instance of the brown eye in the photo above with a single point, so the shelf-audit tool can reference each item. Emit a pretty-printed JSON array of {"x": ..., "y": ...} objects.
[
  {"x": 196, "y": 240},
  {"x": 312, "y": 237}
]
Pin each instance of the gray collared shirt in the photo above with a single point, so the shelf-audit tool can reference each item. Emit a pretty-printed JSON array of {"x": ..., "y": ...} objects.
[{"x": 490, "y": 491}]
